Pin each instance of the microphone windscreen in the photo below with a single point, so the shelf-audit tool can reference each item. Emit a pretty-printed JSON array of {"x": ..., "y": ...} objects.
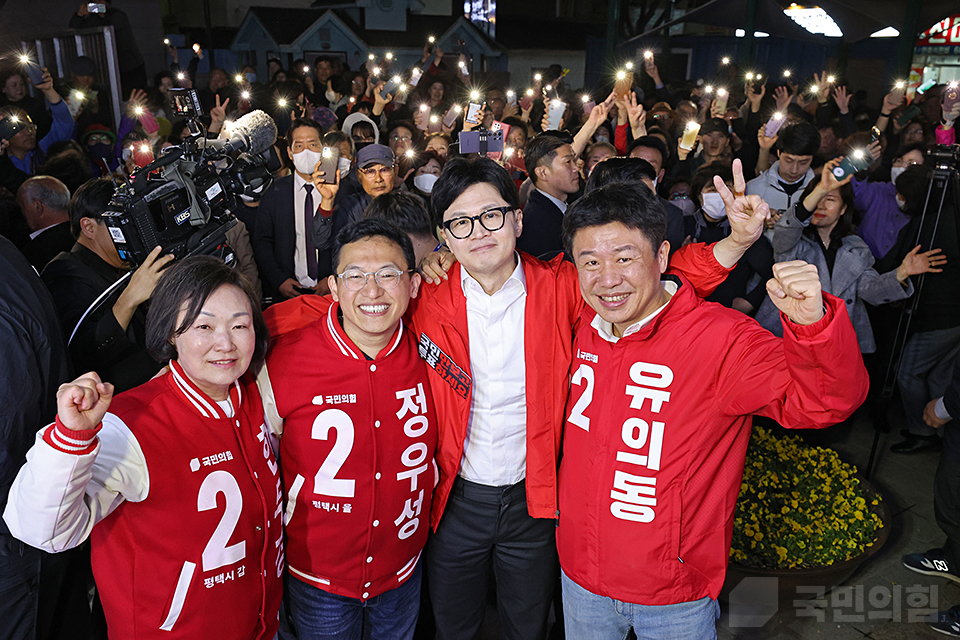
[{"x": 258, "y": 129}]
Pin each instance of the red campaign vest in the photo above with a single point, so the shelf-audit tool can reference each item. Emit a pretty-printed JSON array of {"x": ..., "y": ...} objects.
[
  {"x": 202, "y": 555},
  {"x": 657, "y": 430},
  {"x": 357, "y": 449}
]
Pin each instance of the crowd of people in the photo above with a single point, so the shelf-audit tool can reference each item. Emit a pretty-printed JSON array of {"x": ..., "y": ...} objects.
[{"x": 411, "y": 338}]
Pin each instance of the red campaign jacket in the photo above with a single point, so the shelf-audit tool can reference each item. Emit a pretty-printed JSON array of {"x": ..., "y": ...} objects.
[
  {"x": 357, "y": 452},
  {"x": 657, "y": 430},
  {"x": 554, "y": 304},
  {"x": 204, "y": 550}
]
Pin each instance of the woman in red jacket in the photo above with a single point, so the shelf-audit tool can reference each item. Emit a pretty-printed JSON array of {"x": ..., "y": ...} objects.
[{"x": 176, "y": 485}]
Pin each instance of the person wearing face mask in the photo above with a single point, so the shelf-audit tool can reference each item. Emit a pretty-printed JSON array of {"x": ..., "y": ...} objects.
[
  {"x": 819, "y": 230},
  {"x": 745, "y": 287},
  {"x": 426, "y": 170},
  {"x": 100, "y": 143},
  {"x": 289, "y": 262},
  {"x": 880, "y": 209}
]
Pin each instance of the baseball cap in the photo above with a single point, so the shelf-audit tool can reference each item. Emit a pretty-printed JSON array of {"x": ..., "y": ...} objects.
[
  {"x": 375, "y": 154},
  {"x": 714, "y": 125}
]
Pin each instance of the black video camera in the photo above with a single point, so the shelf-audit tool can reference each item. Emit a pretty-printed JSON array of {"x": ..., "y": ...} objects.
[{"x": 183, "y": 201}]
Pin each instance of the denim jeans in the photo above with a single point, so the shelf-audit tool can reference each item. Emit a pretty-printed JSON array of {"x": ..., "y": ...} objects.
[
  {"x": 319, "y": 615},
  {"x": 588, "y": 616}
]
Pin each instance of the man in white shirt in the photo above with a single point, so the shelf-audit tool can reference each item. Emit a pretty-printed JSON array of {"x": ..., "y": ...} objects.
[{"x": 289, "y": 262}]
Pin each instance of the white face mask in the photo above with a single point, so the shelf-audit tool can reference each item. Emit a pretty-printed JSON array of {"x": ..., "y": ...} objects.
[
  {"x": 901, "y": 203},
  {"x": 344, "y": 166},
  {"x": 424, "y": 182},
  {"x": 330, "y": 95},
  {"x": 713, "y": 206},
  {"x": 895, "y": 173},
  {"x": 306, "y": 160}
]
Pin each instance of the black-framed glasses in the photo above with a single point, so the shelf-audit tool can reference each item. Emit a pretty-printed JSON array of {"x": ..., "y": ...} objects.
[
  {"x": 386, "y": 278},
  {"x": 491, "y": 220}
]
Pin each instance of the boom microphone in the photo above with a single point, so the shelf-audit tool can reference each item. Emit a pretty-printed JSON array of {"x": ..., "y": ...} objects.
[{"x": 254, "y": 133}]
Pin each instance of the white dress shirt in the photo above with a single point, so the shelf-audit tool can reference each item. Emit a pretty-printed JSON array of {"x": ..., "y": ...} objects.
[
  {"x": 605, "y": 329},
  {"x": 495, "y": 450},
  {"x": 557, "y": 201},
  {"x": 300, "y": 248}
]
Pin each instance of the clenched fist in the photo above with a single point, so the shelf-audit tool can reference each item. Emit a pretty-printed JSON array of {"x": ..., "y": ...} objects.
[{"x": 795, "y": 290}]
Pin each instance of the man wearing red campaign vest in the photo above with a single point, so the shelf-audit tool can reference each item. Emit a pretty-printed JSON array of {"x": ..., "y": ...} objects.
[
  {"x": 658, "y": 422},
  {"x": 348, "y": 396},
  {"x": 520, "y": 540},
  {"x": 177, "y": 485}
]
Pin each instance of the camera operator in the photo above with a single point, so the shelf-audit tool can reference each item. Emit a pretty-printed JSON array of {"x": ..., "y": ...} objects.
[{"x": 110, "y": 340}]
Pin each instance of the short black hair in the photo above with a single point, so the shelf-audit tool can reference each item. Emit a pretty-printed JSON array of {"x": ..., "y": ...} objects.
[
  {"x": 541, "y": 151},
  {"x": 632, "y": 205},
  {"x": 404, "y": 209},
  {"x": 912, "y": 184},
  {"x": 373, "y": 228},
  {"x": 89, "y": 201},
  {"x": 186, "y": 286},
  {"x": 907, "y": 148},
  {"x": 363, "y": 127},
  {"x": 619, "y": 170},
  {"x": 800, "y": 139},
  {"x": 303, "y": 122},
  {"x": 704, "y": 176},
  {"x": 72, "y": 169},
  {"x": 651, "y": 142},
  {"x": 461, "y": 173},
  {"x": 335, "y": 138}
]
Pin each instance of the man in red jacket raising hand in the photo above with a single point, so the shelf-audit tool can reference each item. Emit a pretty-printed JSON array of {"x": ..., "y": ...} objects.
[{"x": 662, "y": 391}]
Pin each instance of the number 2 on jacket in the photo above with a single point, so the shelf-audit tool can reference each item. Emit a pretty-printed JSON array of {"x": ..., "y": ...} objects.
[
  {"x": 584, "y": 375},
  {"x": 326, "y": 481}
]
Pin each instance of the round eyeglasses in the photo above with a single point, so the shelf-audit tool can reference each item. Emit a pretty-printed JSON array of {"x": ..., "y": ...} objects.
[
  {"x": 386, "y": 278},
  {"x": 492, "y": 220}
]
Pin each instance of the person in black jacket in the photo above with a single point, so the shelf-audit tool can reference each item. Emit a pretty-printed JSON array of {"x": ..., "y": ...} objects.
[
  {"x": 34, "y": 360},
  {"x": 133, "y": 71},
  {"x": 43, "y": 201},
  {"x": 111, "y": 339},
  {"x": 944, "y": 561},
  {"x": 552, "y": 165}
]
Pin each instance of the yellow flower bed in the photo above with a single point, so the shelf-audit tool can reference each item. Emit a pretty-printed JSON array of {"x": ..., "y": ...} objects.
[{"x": 799, "y": 506}]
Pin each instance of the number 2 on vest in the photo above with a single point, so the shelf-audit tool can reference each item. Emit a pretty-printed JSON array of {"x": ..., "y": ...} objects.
[
  {"x": 326, "y": 481},
  {"x": 217, "y": 554},
  {"x": 584, "y": 375}
]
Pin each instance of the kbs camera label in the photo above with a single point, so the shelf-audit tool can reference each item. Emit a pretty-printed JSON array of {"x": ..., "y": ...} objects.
[
  {"x": 117, "y": 235},
  {"x": 182, "y": 217}
]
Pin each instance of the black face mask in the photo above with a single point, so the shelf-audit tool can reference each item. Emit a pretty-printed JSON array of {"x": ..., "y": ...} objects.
[
  {"x": 100, "y": 151},
  {"x": 361, "y": 145}
]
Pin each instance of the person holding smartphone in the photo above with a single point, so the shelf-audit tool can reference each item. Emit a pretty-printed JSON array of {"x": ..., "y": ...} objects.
[{"x": 133, "y": 71}]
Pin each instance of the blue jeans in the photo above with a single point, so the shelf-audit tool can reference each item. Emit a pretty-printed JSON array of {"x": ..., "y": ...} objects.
[
  {"x": 319, "y": 615},
  {"x": 588, "y": 616}
]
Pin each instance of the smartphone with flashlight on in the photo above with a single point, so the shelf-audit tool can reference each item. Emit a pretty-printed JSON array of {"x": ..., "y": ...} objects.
[
  {"x": 451, "y": 116},
  {"x": 527, "y": 100},
  {"x": 951, "y": 96},
  {"x": 33, "y": 69},
  {"x": 96, "y": 7},
  {"x": 555, "y": 114},
  {"x": 473, "y": 113},
  {"x": 329, "y": 163},
  {"x": 390, "y": 87},
  {"x": 853, "y": 163}
]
